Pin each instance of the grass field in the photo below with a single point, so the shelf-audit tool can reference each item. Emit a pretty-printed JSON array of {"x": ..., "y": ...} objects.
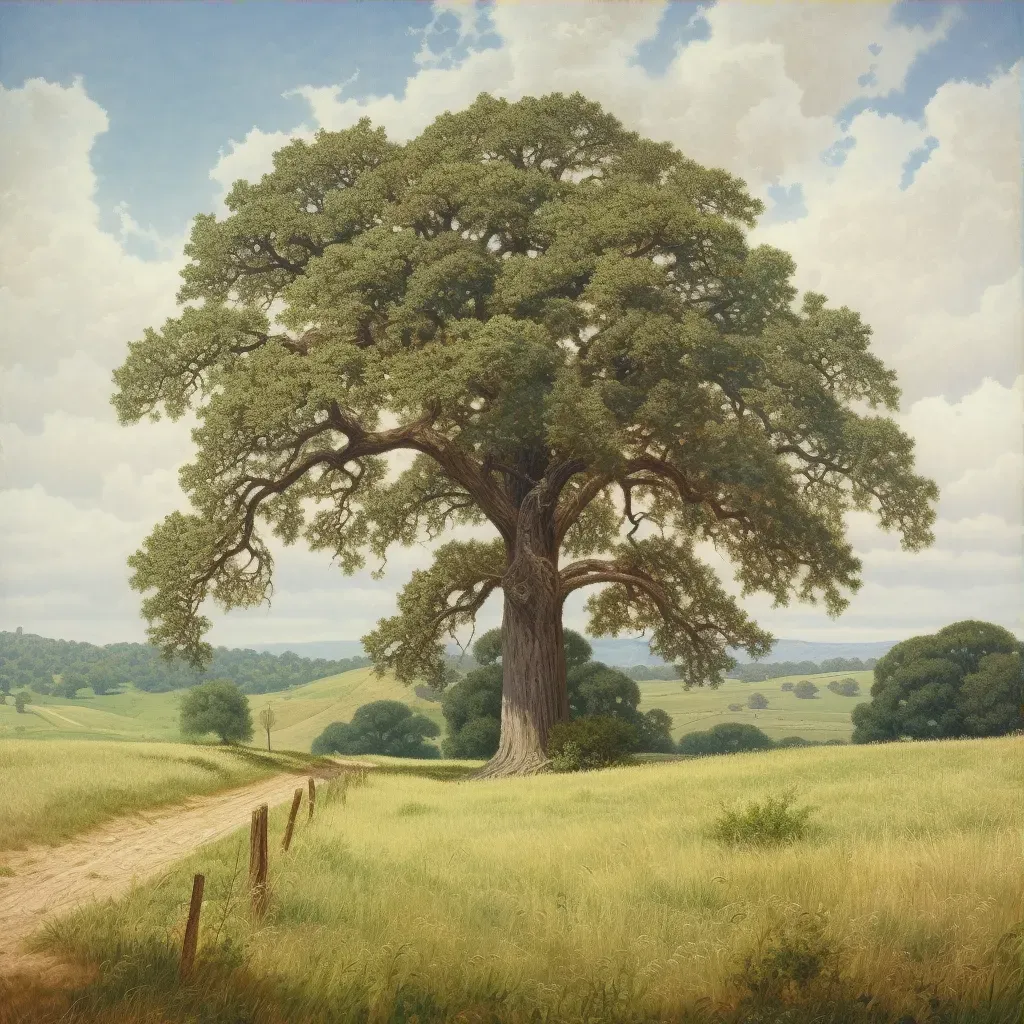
[
  {"x": 54, "y": 789},
  {"x": 302, "y": 713},
  {"x": 602, "y": 898}
]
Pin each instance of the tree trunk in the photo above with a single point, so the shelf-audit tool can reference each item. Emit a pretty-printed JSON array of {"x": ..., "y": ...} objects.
[{"x": 533, "y": 694}]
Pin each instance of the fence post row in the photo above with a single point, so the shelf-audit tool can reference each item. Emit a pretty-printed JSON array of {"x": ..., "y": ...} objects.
[{"x": 188, "y": 947}]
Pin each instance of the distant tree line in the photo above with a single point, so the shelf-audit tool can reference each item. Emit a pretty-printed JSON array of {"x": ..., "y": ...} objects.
[
  {"x": 758, "y": 672},
  {"x": 31, "y": 662}
]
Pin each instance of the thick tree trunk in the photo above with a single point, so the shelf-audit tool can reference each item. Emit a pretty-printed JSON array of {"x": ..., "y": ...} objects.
[{"x": 534, "y": 695}]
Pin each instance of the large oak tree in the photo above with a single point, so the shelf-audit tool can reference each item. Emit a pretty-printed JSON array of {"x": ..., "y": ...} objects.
[{"x": 564, "y": 328}]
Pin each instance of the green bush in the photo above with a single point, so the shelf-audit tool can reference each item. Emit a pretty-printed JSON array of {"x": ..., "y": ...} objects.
[
  {"x": 386, "y": 727},
  {"x": 805, "y": 689},
  {"x": 787, "y": 685},
  {"x": 772, "y": 823},
  {"x": 220, "y": 707},
  {"x": 725, "y": 738},
  {"x": 598, "y": 741},
  {"x": 845, "y": 687},
  {"x": 477, "y": 739},
  {"x": 757, "y": 700},
  {"x": 20, "y": 700}
]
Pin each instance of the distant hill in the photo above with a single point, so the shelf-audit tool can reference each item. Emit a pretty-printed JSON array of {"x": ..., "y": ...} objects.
[{"x": 617, "y": 651}]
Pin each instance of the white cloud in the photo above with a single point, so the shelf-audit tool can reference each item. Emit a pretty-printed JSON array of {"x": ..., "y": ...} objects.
[{"x": 935, "y": 268}]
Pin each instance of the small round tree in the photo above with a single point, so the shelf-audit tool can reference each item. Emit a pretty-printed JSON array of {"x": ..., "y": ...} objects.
[
  {"x": 20, "y": 701},
  {"x": 757, "y": 700},
  {"x": 565, "y": 327},
  {"x": 218, "y": 706},
  {"x": 787, "y": 685},
  {"x": 805, "y": 689},
  {"x": 725, "y": 738},
  {"x": 386, "y": 727}
]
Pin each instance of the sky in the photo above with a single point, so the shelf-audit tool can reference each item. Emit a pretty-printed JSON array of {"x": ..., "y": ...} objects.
[{"x": 884, "y": 139}]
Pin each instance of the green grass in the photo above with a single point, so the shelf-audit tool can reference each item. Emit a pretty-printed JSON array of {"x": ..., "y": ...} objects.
[
  {"x": 603, "y": 898},
  {"x": 305, "y": 711},
  {"x": 54, "y": 789}
]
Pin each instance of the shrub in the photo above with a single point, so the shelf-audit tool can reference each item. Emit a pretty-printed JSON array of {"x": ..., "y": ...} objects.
[
  {"x": 757, "y": 700},
  {"x": 795, "y": 741},
  {"x": 218, "y": 706},
  {"x": 477, "y": 739},
  {"x": 735, "y": 707},
  {"x": 654, "y": 732},
  {"x": 725, "y": 738},
  {"x": 787, "y": 685},
  {"x": 845, "y": 687},
  {"x": 20, "y": 700},
  {"x": 805, "y": 689},
  {"x": 598, "y": 741},
  {"x": 427, "y": 693},
  {"x": 769, "y": 824}
]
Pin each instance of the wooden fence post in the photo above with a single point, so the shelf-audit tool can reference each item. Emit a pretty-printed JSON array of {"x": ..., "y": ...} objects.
[
  {"x": 188, "y": 947},
  {"x": 312, "y": 797},
  {"x": 296, "y": 800},
  {"x": 258, "y": 860}
]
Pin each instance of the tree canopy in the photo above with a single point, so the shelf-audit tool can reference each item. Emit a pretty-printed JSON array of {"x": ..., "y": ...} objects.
[
  {"x": 965, "y": 680},
  {"x": 380, "y": 727},
  {"x": 562, "y": 329},
  {"x": 220, "y": 707}
]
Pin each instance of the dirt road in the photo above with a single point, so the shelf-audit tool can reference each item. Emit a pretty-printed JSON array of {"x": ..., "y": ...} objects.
[{"x": 50, "y": 881}]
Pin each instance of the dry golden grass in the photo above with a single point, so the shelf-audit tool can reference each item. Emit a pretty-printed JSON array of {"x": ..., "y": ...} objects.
[{"x": 600, "y": 896}]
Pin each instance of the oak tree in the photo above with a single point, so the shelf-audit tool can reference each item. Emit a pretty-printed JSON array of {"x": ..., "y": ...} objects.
[{"x": 531, "y": 320}]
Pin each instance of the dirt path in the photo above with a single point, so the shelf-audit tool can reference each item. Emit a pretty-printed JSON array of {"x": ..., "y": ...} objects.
[{"x": 49, "y": 881}]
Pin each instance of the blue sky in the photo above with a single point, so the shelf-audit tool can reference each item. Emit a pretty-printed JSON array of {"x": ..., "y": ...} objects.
[
  {"x": 180, "y": 78},
  {"x": 885, "y": 141}
]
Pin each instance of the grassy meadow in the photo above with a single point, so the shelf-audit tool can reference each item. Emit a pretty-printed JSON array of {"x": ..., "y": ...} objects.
[
  {"x": 54, "y": 789},
  {"x": 303, "y": 712},
  {"x": 600, "y": 897}
]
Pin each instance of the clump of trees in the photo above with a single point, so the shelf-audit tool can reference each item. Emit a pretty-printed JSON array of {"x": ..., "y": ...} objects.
[
  {"x": 758, "y": 672},
  {"x": 737, "y": 738},
  {"x": 844, "y": 687},
  {"x": 472, "y": 706},
  {"x": 34, "y": 661},
  {"x": 964, "y": 680},
  {"x": 217, "y": 706},
  {"x": 386, "y": 727}
]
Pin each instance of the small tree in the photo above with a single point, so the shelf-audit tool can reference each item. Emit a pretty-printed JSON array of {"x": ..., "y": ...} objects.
[
  {"x": 805, "y": 689},
  {"x": 220, "y": 707},
  {"x": 757, "y": 700},
  {"x": 788, "y": 686},
  {"x": 844, "y": 687},
  {"x": 267, "y": 720},
  {"x": 70, "y": 683},
  {"x": 20, "y": 701}
]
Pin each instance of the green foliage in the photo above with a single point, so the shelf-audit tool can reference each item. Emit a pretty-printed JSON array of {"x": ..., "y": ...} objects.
[
  {"x": 805, "y": 689},
  {"x": 771, "y": 823},
  {"x": 70, "y": 684},
  {"x": 654, "y": 732},
  {"x": 759, "y": 672},
  {"x": 724, "y": 738},
  {"x": 29, "y": 660},
  {"x": 220, "y": 707},
  {"x": 557, "y": 315},
  {"x": 600, "y": 741},
  {"x": 965, "y": 680},
  {"x": 473, "y": 703},
  {"x": 757, "y": 701},
  {"x": 787, "y": 686},
  {"x": 386, "y": 727},
  {"x": 845, "y": 687},
  {"x": 20, "y": 701}
]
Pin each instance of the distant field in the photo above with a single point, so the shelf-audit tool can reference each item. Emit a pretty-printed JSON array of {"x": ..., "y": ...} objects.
[
  {"x": 54, "y": 789},
  {"x": 303, "y": 712},
  {"x": 599, "y": 897},
  {"x": 825, "y": 717}
]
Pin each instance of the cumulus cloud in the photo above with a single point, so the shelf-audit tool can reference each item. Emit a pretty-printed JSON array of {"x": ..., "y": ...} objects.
[{"x": 929, "y": 255}]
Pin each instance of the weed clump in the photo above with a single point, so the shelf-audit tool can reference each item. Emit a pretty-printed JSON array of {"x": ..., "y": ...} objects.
[{"x": 773, "y": 823}]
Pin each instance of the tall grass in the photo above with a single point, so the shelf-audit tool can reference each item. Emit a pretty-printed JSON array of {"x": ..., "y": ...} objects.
[
  {"x": 604, "y": 898},
  {"x": 52, "y": 789}
]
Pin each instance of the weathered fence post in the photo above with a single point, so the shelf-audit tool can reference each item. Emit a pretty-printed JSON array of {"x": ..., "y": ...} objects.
[
  {"x": 296, "y": 800},
  {"x": 312, "y": 797},
  {"x": 188, "y": 947},
  {"x": 258, "y": 860}
]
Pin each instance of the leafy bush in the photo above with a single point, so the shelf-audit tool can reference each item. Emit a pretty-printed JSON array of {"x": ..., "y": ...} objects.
[
  {"x": 845, "y": 687},
  {"x": 595, "y": 742},
  {"x": 757, "y": 700},
  {"x": 477, "y": 739},
  {"x": 795, "y": 741},
  {"x": 805, "y": 689},
  {"x": 787, "y": 685},
  {"x": 725, "y": 738},
  {"x": 769, "y": 824},
  {"x": 220, "y": 707},
  {"x": 735, "y": 707},
  {"x": 386, "y": 727},
  {"x": 654, "y": 732},
  {"x": 20, "y": 700},
  {"x": 427, "y": 693}
]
